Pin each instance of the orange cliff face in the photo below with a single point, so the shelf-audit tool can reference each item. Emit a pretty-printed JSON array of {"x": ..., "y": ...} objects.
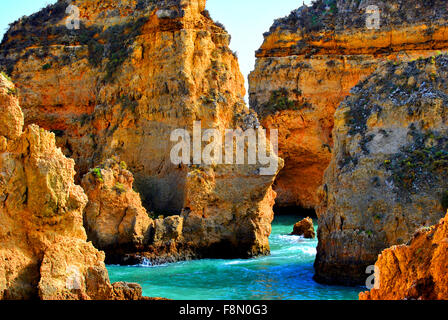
[
  {"x": 416, "y": 271},
  {"x": 308, "y": 63},
  {"x": 44, "y": 253},
  {"x": 120, "y": 85}
]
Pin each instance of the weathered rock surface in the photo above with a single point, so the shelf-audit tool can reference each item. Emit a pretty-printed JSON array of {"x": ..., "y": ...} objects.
[
  {"x": 388, "y": 175},
  {"x": 43, "y": 251},
  {"x": 120, "y": 85},
  {"x": 304, "y": 228},
  {"x": 416, "y": 271},
  {"x": 117, "y": 223},
  {"x": 311, "y": 59},
  {"x": 114, "y": 217}
]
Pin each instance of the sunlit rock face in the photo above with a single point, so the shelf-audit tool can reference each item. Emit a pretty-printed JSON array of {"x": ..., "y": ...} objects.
[
  {"x": 311, "y": 59},
  {"x": 122, "y": 83},
  {"x": 44, "y": 253},
  {"x": 416, "y": 271},
  {"x": 388, "y": 174}
]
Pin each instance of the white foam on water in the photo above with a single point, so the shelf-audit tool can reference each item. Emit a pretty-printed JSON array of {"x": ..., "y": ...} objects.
[
  {"x": 236, "y": 262},
  {"x": 308, "y": 250},
  {"x": 148, "y": 264}
]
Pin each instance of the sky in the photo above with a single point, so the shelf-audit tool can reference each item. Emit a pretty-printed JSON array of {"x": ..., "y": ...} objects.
[{"x": 245, "y": 20}]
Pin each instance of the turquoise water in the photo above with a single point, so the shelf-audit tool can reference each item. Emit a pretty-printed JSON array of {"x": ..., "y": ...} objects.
[{"x": 284, "y": 275}]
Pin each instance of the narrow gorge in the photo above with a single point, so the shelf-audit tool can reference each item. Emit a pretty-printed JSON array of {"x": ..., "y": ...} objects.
[{"x": 92, "y": 201}]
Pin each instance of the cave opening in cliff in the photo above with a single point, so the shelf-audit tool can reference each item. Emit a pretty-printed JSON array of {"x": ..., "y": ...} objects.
[{"x": 295, "y": 211}]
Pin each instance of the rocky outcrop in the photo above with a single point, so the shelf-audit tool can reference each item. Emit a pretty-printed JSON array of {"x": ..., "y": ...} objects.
[
  {"x": 43, "y": 252},
  {"x": 416, "y": 271},
  {"x": 114, "y": 217},
  {"x": 388, "y": 175},
  {"x": 304, "y": 228},
  {"x": 134, "y": 72},
  {"x": 311, "y": 59},
  {"x": 117, "y": 223}
]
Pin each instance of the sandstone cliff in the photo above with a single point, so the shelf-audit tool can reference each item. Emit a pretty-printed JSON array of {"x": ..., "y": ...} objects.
[
  {"x": 114, "y": 217},
  {"x": 311, "y": 59},
  {"x": 416, "y": 271},
  {"x": 134, "y": 72},
  {"x": 388, "y": 175},
  {"x": 43, "y": 251},
  {"x": 117, "y": 223}
]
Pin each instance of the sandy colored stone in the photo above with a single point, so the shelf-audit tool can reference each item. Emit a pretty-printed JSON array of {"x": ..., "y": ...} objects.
[
  {"x": 43, "y": 251},
  {"x": 114, "y": 216},
  {"x": 307, "y": 65},
  {"x": 135, "y": 72},
  {"x": 304, "y": 228},
  {"x": 167, "y": 230},
  {"x": 12, "y": 119},
  {"x": 388, "y": 175},
  {"x": 416, "y": 271},
  {"x": 229, "y": 212}
]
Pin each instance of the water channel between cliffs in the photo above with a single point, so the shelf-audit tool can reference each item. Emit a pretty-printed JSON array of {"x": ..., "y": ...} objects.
[{"x": 284, "y": 275}]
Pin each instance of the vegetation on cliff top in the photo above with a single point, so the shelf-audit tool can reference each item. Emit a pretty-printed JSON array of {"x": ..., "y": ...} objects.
[
  {"x": 347, "y": 14},
  {"x": 107, "y": 48},
  {"x": 416, "y": 89},
  {"x": 421, "y": 164},
  {"x": 280, "y": 101}
]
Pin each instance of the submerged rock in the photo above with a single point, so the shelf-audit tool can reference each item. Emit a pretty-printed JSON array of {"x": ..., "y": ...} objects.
[
  {"x": 388, "y": 175},
  {"x": 43, "y": 253},
  {"x": 304, "y": 228},
  {"x": 416, "y": 271},
  {"x": 311, "y": 59}
]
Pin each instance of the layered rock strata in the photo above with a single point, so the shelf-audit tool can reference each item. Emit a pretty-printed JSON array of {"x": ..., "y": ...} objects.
[
  {"x": 388, "y": 174},
  {"x": 121, "y": 84},
  {"x": 44, "y": 253},
  {"x": 117, "y": 223},
  {"x": 311, "y": 59}
]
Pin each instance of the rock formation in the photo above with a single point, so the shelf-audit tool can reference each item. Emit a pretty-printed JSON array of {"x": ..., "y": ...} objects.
[
  {"x": 304, "y": 228},
  {"x": 134, "y": 72},
  {"x": 117, "y": 223},
  {"x": 43, "y": 251},
  {"x": 388, "y": 175},
  {"x": 114, "y": 217},
  {"x": 311, "y": 59},
  {"x": 416, "y": 271}
]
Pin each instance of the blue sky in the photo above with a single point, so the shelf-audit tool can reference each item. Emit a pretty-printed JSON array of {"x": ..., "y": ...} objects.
[{"x": 246, "y": 20}]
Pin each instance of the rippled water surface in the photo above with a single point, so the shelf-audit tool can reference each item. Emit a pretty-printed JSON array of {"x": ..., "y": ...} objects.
[{"x": 286, "y": 274}]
